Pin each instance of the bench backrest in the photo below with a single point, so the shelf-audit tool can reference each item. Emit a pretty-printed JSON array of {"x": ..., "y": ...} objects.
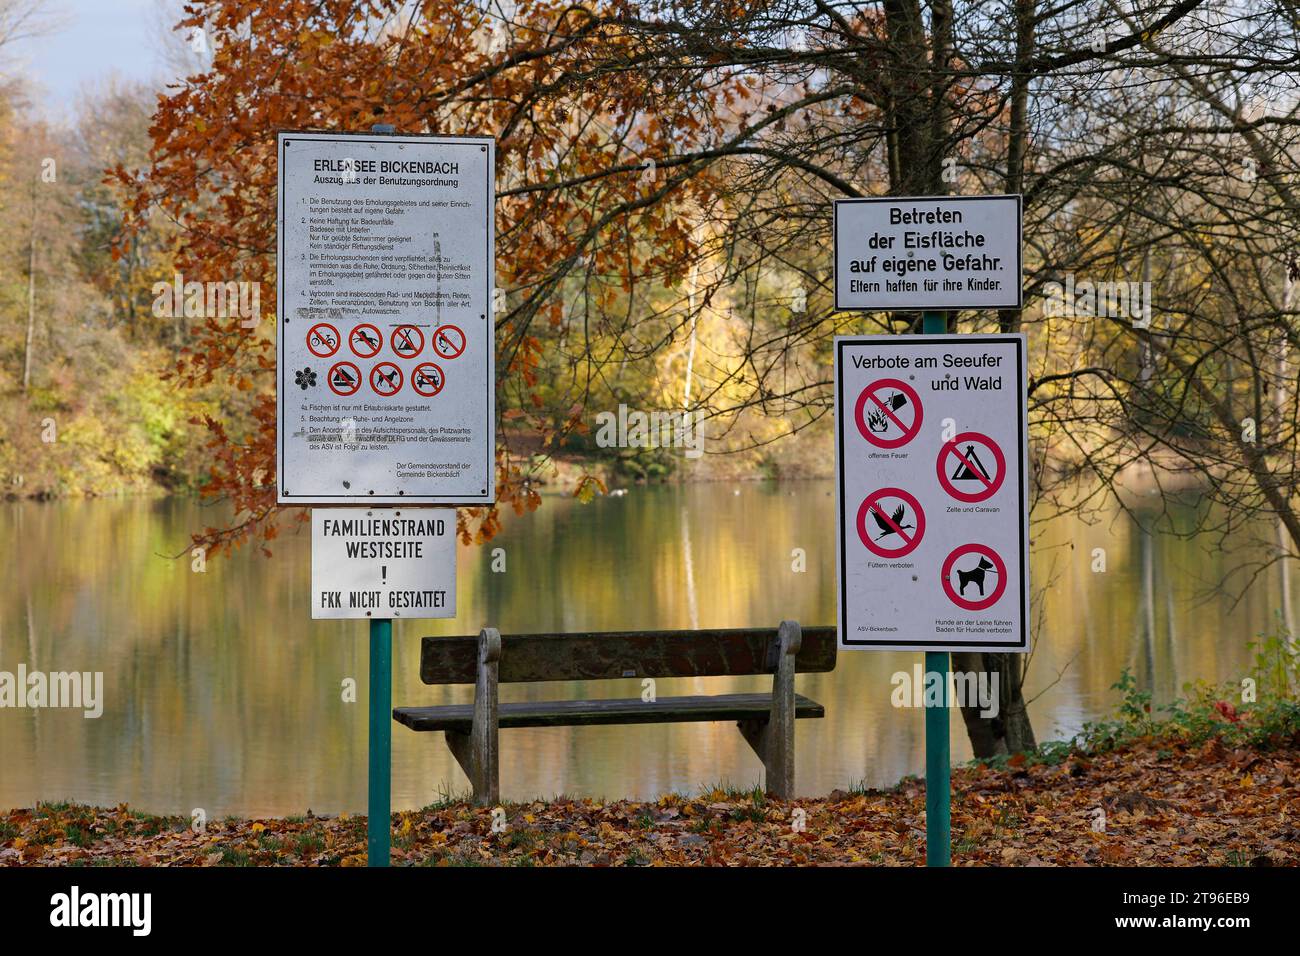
[{"x": 614, "y": 654}]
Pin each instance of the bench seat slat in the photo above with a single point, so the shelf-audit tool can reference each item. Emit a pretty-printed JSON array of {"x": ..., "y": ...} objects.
[
  {"x": 573, "y": 713},
  {"x": 625, "y": 654}
]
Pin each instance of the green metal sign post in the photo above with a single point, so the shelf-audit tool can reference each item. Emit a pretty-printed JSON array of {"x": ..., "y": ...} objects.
[
  {"x": 378, "y": 821},
  {"x": 938, "y": 784}
]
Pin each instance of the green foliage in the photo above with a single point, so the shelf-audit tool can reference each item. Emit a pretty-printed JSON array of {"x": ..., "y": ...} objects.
[{"x": 1203, "y": 712}]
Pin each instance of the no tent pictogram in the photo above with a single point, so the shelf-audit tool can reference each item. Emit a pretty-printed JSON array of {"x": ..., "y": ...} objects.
[
  {"x": 386, "y": 379},
  {"x": 449, "y": 341},
  {"x": 894, "y": 516},
  {"x": 427, "y": 379},
  {"x": 365, "y": 340},
  {"x": 344, "y": 378},
  {"x": 974, "y": 577},
  {"x": 888, "y": 413},
  {"x": 971, "y": 467},
  {"x": 408, "y": 341},
  {"x": 323, "y": 340}
]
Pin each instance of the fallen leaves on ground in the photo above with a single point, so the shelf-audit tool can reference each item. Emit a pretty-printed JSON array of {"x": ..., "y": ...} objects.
[{"x": 1153, "y": 804}]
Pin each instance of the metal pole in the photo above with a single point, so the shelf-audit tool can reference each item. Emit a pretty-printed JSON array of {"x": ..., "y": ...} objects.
[
  {"x": 379, "y": 811},
  {"x": 378, "y": 822},
  {"x": 938, "y": 781}
]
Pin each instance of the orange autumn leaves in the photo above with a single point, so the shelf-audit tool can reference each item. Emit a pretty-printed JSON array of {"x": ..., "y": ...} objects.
[{"x": 574, "y": 132}]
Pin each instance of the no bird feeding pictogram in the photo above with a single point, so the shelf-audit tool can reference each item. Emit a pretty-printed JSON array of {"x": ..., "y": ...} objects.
[{"x": 893, "y": 516}]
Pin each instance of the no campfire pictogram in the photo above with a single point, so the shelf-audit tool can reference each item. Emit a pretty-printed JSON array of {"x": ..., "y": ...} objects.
[
  {"x": 449, "y": 341},
  {"x": 892, "y": 515},
  {"x": 344, "y": 378},
  {"x": 408, "y": 341},
  {"x": 428, "y": 379},
  {"x": 323, "y": 340},
  {"x": 386, "y": 379},
  {"x": 974, "y": 577},
  {"x": 971, "y": 467},
  {"x": 365, "y": 340},
  {"x": 888, "y": 413}
]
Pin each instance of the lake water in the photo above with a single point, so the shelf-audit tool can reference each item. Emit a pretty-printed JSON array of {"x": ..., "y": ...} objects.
[{"x": 221, "y": 693}]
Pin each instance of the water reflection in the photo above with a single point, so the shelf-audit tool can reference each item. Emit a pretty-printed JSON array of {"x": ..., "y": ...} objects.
[{"x": 221, "y": 693}]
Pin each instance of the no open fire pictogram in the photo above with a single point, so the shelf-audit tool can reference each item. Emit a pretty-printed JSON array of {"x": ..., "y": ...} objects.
[
  {"x": 888, "y": 413},
  {"x": 449, "y": 341}
]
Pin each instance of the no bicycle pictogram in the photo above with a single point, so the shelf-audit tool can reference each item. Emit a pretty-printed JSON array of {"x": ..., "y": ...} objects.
[
  {"x": 365, "y": 340},
  {"x": 971, "y": 467},
  {"x": 894, "y": 516},
  {"x": 344, "y": 379},
  {"x": 323, "y": 340},
  {"x": 427, "y": 379},
  {"x": 888, "y": 413},
  {"x": 408, "y": 341},
  {"x": 974, "y": 577},
  {"x": 449, "y": 341},
  {"x": 386, "y": 379}
]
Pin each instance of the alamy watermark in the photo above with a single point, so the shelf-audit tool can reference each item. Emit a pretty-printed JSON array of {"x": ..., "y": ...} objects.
[
  {"x": 208, "y": 300},
  {"x": 637, "y": 429},
  {"x": 965, "y": 689},
  {"x": 83, "y": 690},
  {"x": 1111, "y": 300}
]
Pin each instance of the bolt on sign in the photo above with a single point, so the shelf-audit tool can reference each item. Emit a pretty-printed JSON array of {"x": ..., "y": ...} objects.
[
  {"x": 383, "y": 563},
  {"x": 932, "y": 466},
  {"x": 927, "y": 253},
  {"x": 384, "y": 336}
]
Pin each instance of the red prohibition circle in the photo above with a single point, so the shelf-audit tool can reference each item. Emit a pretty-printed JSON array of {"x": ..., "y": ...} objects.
[
  {"x": 319, "y": 337},
  {"x": 371, "y": 341},
  {"x": 870, "y": 504},
  {"x": 386, "y": 373},
  {"x": 951, "y": 451},
  {"x": 407, "y": 341},
  {"x": 444, "y": 341},
  {"x": 421, "y": 378},
  {"x": 954, "y": 594},
  {"x": 350, "y": 371},
  {"x": 869, "y": 395}
]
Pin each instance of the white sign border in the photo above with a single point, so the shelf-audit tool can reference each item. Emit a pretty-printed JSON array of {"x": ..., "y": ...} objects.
[
  {"x": 835, "y": 252},
  {"x": 1022, "y": 646},
  {"x": 490, "y": 440}
]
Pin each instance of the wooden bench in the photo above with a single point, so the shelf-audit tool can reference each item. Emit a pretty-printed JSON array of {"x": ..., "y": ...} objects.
[{"x": 765, "y": 720}]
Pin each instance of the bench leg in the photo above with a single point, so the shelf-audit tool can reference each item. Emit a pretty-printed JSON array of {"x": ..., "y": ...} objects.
[
  {"x": 773, "y": 739},
  {"x": 476, "y": 752}
]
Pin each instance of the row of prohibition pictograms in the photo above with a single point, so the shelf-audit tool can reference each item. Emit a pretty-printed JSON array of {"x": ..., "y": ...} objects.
[
  {"x": 406, "y": 341},
  {"x": 889, "y": 415},
  {"x": 385, "y": 378}
]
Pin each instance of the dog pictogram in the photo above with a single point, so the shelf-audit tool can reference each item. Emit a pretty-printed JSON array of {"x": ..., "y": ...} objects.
[
  {"x": 975, "y": 576},
  {"x": 386, "y": 379},
  {"x": 967, "y": 570}
]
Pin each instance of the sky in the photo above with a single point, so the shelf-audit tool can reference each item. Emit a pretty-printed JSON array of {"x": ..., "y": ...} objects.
[{"x": 92, "y": 40}]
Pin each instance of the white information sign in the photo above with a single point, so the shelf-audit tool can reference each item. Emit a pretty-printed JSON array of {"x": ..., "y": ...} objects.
[
  {"x": 928, "y": 253},
  {"x": 383, "y": 563},
  {"x": 384, "y": 335},
  {"x": 932, "y": 467}
]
